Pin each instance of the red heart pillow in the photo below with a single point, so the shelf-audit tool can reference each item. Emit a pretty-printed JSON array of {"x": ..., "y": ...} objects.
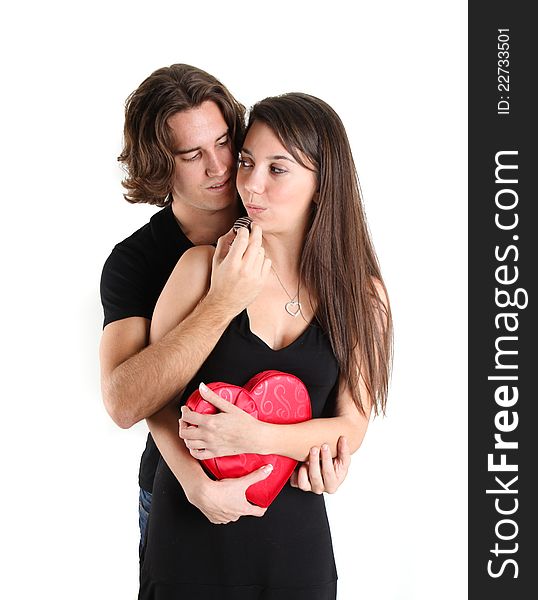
[{"x": 270, "y": 396}]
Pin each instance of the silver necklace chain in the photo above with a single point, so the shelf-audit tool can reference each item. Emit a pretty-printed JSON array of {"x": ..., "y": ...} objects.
[
  {"x": 282, "y": 285},
  {"x": 293, "y": 307}
]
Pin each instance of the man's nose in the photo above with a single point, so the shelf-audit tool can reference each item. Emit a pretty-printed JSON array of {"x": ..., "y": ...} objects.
[{"x": 216, "y": 166}]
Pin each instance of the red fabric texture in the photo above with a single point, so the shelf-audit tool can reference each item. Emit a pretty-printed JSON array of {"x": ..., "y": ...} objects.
[{"x": 272, "y": 397}]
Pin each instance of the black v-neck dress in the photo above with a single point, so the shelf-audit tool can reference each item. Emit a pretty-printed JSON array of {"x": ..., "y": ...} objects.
[{"x": 286, "y": 554}]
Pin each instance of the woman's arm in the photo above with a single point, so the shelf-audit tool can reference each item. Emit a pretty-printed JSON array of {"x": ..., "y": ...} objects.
[
  {"x": 233, "y": 431},
  {"x": 296, "y": 440},
  {"x": 138, "y": 379},
  {"x": 221, "y": 501}
]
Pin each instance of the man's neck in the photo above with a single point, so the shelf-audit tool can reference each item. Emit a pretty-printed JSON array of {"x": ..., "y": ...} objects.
[{"x": 204, "y": 226}]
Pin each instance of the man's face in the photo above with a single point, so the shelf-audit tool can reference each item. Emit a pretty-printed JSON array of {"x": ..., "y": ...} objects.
[{"x": 204, "y": 176}]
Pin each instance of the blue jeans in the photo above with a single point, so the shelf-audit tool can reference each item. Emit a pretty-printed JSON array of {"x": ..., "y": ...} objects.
[{"x": 144, "y": 506}]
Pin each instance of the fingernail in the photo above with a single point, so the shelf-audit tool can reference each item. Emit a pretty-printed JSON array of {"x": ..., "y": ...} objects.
[
  {"x": 203, "y": 387},
  {"x": 313, "y": 451},
  {"x": 325, "y": 447},
  {"x": 267, "y": 468}
]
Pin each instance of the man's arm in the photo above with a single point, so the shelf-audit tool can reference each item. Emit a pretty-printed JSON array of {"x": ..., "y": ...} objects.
[
  {"x": 220, "y": 501},
  {"x": 323, "y": 473},
  {"x": 138, "y": 380}
]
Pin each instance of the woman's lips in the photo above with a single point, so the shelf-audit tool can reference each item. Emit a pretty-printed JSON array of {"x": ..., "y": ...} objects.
[{"x": 253, "y": 209}]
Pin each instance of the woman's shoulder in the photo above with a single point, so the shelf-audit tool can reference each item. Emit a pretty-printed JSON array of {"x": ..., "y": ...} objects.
[
  {"x": 196, "y": 260},
  {"x": 198, "y": 255},
  {"x": 186, "y": 286},
  {"x": 192, "y": 271}
]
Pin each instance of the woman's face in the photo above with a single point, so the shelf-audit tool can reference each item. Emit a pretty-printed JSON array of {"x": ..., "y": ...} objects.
[{"x": 276, "y": 190}]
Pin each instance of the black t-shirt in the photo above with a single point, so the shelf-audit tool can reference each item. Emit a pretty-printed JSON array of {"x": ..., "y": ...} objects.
[
  {"x": 132, "y": 280},
  {"x": 288, "y": 553}
]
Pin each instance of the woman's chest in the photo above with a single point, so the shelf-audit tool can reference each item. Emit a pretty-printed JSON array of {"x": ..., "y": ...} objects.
[{"x": 279, "y": 320}]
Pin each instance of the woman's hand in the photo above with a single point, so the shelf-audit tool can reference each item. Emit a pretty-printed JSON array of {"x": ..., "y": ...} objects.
[
  {"x": 225, "y": 500},
  {"x": 229, "y": 432},
  {"x": 325, "y": 475}
]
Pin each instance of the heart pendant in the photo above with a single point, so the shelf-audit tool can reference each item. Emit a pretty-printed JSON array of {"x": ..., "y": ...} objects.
[{"x": 293, "y": 307}]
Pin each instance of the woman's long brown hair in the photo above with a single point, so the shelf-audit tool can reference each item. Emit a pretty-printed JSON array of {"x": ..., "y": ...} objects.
[{"x": 338, "y": 263}]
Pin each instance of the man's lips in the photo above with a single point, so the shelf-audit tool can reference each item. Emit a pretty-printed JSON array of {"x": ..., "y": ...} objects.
[{"x": 219, "y": 185}]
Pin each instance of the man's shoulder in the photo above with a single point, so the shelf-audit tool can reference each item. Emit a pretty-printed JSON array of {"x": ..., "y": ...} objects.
[
  {"x": 157, "y": 240},
  {"x": 137, "y": 268},
  {"x": 147, "y": 236},
  {"x": 134, "y": 250}
]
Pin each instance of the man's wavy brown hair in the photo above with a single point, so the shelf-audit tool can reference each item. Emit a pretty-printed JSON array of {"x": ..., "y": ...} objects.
[{"x": 148, "y": 143}]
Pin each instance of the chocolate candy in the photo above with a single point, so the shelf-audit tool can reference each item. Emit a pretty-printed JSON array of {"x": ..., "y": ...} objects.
[{"x": 242, "y": 222}]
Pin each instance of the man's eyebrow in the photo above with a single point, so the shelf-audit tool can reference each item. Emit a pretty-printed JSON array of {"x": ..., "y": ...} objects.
[
  {"x": 274, "y": 157},
  {"x": 179, "y": 151}
]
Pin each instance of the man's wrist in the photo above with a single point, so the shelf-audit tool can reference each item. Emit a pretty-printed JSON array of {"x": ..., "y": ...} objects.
[{"x": 221, "y": 313}]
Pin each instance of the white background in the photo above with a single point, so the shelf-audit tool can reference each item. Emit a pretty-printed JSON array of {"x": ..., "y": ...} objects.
[{"x": 396, "y": 73}]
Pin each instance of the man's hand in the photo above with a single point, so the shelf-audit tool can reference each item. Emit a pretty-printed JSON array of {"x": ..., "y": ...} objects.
[
  {"x": 325, "y": 475},
  {"x": 225, "y": 501},
  {"x": 229, "y": 432},
  {"x": 239, "y": 269}
]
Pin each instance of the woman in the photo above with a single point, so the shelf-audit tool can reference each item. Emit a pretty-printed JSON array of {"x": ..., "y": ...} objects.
[{"x": 322, "y": 315}]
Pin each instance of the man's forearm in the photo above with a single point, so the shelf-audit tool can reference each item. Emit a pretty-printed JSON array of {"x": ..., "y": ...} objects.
[{"x": 147, "y": 381}]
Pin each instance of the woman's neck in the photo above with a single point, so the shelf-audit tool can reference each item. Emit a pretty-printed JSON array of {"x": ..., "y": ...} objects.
[{"x": 285, "y": 253}]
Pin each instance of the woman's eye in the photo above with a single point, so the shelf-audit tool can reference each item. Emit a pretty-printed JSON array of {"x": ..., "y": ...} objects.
[
  {"x": 244, "y": 164},
  {"x": 192, "y": 158},
  {"x": 277, "y": 170}
]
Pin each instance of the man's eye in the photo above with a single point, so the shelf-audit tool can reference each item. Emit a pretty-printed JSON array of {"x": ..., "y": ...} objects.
[
  {"x": 192, "y": 158},
  {"x": 223, "y": 143}
]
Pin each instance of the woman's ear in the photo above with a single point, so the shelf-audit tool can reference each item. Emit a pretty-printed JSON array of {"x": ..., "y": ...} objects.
[{"x": 315, "y": 198}]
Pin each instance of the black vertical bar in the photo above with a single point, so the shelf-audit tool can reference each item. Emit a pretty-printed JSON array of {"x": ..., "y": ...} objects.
[{"x": 503, "y": 353}]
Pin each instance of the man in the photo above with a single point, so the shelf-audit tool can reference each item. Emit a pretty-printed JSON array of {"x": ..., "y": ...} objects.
[{"x": 182, "y": 133}]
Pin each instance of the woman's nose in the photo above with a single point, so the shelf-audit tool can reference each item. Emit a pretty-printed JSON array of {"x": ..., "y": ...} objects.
[{"x": 254, "y": 183}]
